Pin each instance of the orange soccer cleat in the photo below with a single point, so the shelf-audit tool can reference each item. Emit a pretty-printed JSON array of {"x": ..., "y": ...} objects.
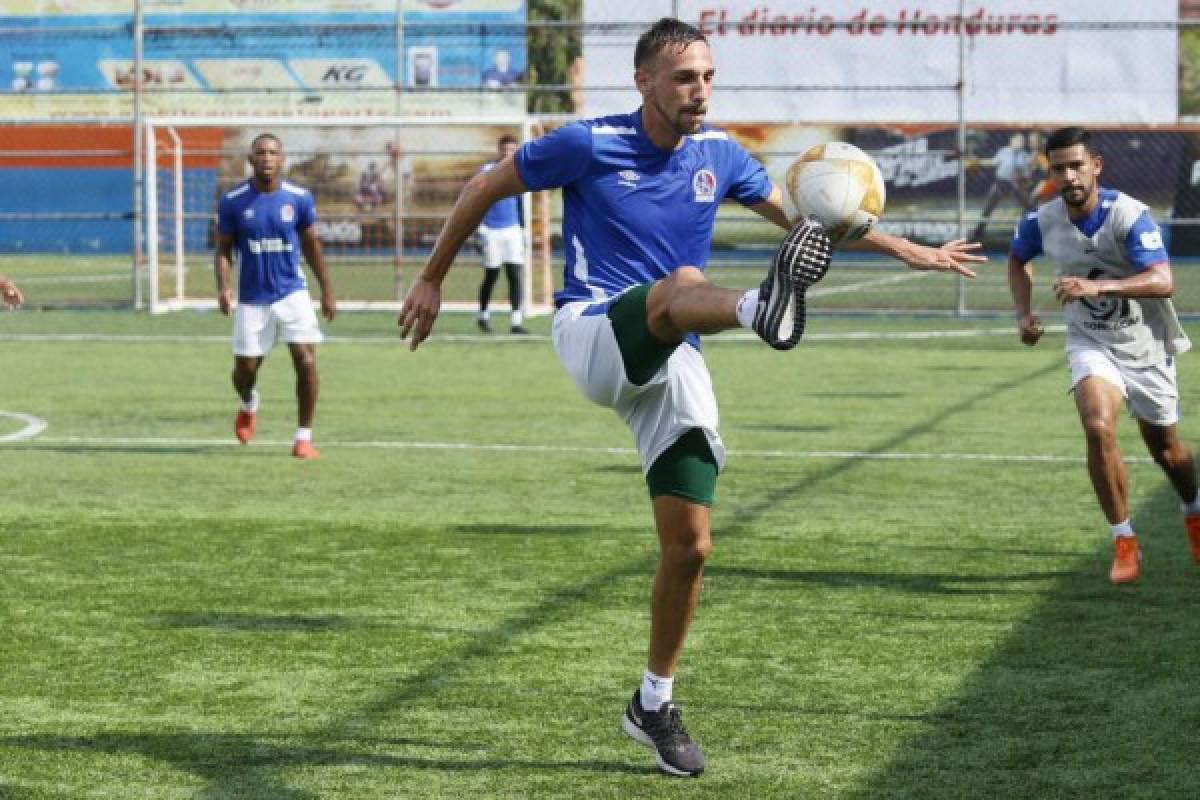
[
  {"x": 243, "y": 426},
  {"x": 1125, "y": 566},
  {"x": 303, "y": 449},
  {"x": 1192, "y": 522}
]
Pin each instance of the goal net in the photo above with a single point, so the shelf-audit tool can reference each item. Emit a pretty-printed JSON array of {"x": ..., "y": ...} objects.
[{"x": 382, "y": 186}]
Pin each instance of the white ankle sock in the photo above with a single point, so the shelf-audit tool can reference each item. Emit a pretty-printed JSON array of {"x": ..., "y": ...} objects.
[
  {"x": 1122, "y": 529},
  {"x": 747, "y": 305},
  {"x": 517, "y": 318},
  {"x": 1192, "y": 507},
  {"x": 303, "y": 434},
  {"x": 656, "y": 690},
  {"x": 252, "y": 405}
]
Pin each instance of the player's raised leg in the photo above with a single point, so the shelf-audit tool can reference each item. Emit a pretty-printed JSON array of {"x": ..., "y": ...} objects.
[{"x": 685, "y": 302}]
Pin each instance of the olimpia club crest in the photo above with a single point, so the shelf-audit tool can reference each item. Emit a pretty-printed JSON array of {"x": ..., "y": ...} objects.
[{"x": 704, "y": 185}]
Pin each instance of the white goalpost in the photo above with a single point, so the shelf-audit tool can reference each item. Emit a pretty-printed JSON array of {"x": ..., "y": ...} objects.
[{"x": 383, "y": 187}]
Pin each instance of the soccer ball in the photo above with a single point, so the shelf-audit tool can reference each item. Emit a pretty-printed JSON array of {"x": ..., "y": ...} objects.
[{"x": 841, "y": 186}]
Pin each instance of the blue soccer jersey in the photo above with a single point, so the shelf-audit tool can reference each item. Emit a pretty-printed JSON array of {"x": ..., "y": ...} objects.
[
  {"x": 266, "y": 230},
  {"x": 632, "y": 212},
  {"x": 505, "y": 212}
]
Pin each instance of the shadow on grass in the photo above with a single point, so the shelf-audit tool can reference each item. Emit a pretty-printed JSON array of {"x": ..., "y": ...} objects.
[
  {"x": 512, "y": 529},
  {"x": 916, "y": 583},
  {"x": 259, "y": 623},
  {"x": 1096, "y": 694},
  {"x": 772, "y": 428},
  {"x": 247, "y": 764}
]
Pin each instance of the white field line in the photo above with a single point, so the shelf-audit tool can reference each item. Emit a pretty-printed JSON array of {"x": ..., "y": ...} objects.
[
  {"x": 484, "y": 447},
  {"x": 33, "y": 426},
  {"x": 55, "y": 280},
  {"x": 474, "y": 338},
  {"x": 868, "y": 284}
]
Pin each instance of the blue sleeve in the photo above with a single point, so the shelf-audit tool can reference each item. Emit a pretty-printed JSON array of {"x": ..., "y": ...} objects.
[
  {"x": 556, "y": 159},
  {"x": 1027, "y": 239},
  {"x": 306, "y": 213},
  {"x": 1144, "y": 243},
  {"x": 750, "y": 183},
  {"x": 226, "y": 217}
]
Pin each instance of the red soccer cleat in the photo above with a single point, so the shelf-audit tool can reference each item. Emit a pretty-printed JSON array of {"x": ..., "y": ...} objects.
[
  {"x": 243, "y": 426},
  {"x": 1125, "y": 566},
  {"x": 303, "y": 449}
]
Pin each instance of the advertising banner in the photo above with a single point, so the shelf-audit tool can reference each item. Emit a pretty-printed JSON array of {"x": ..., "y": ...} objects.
[
  {"x": 830, "y": 60},
  {"x": 71, "y": 59}
]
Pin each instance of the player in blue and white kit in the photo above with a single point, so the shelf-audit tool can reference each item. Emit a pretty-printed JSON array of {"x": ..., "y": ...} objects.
[
  {"x": 503, "y": 244},
  {"x": 1115, "y": 283},
  {"x": 640, "y": 194},
  {"x": 270, "y": 221}
]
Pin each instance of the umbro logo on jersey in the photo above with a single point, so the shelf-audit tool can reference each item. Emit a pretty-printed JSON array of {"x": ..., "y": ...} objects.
[
  {"x": 628, "y": 177},
  {"x": 248, "y": 213}
]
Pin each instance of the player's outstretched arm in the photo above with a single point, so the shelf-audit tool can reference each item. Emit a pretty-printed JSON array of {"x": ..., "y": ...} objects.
[
  {"x": 310, "y": 244},
  {"x": 223, "y": 269},
  {"x": 954, "y": 256},
  {"x": 424, "y": 299},
  {"x": 772, "y": 209},
  {"x": 1020, "y": 283},
  {"x": 10, "y": 295}
]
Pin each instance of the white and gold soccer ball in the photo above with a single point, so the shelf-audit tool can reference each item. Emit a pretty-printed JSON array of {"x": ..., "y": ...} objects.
[{"x": 841, "y": 186}]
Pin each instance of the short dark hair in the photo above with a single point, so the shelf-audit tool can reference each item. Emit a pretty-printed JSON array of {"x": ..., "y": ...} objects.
[
  {"x": 507, "y": 138},
  {"x": 261, "y": 136},
  {"x": 668, "y": 31},
  {"x": 1069, "y": 137}
]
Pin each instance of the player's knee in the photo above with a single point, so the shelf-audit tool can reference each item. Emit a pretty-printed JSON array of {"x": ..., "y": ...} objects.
[
  {"x": 667, "y": 291},
  {"x": 1099, "y": 429},
  {"x": 304, "y": 359}
]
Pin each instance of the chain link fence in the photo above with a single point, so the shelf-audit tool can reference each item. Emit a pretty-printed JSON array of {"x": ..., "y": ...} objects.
[{"x": 956, "y": 134}]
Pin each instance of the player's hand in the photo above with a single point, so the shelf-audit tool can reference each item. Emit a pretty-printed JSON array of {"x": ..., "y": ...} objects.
[
  {"x": 953, "y": 256},
  {"x": 225, "y": 301},
  {"x": 1071, "y": 288},
  {"x": 420, "y": 309},
  {"x": 1030, "y": 328},
  {"x": 10, "y": 295},
  {"x": 328, "y": 306}
]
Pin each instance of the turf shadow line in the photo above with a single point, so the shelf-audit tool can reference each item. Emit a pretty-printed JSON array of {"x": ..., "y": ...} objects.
[
  {"x": 1094, "y": 694},
  {"x": 248, "y": 763},
  {"x": 744, "y": 516}
]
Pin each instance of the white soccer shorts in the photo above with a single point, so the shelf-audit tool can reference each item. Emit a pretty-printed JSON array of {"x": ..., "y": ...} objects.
[
  {"x": 1151, "y": 393},
  {"x": 502, "y": 246},
  {"x": 257, "y": 328},
  {"x": 678, "y": 398}
]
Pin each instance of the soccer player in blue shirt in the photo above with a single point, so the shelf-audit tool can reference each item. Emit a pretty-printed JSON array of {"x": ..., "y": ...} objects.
[
  {"x": 270, "y": 221},
  {"x": 640, "y": 193},
  {"x": 503, "y": 241}
]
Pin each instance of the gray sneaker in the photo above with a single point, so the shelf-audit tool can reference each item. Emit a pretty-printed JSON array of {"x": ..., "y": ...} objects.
[
  {"x": 662, "y": 731},
  {"x": 801, "y": 260}
]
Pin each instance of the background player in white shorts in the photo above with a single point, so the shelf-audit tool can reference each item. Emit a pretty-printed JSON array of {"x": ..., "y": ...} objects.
[
  {"x": 270, "y": 221},
  {"x": 1115, "y": 283},
  {"x": 640, "y": 193},
  {"x": 503, "y": 245}
]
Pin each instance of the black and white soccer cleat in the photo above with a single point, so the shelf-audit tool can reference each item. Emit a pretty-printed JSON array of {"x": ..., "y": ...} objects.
[{"x": 802, "y": 259}]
